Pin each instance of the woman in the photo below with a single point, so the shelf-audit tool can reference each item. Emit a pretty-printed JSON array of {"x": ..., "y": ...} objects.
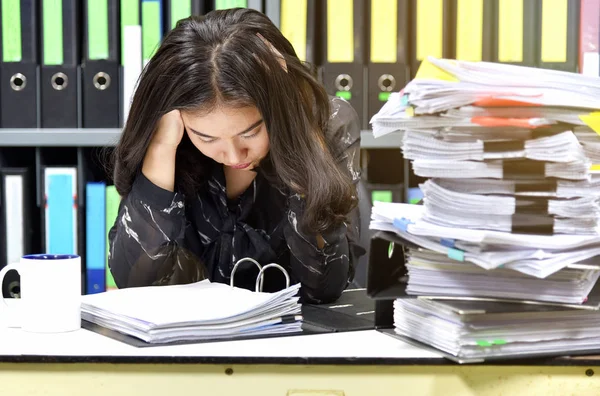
[{"x": 232, "y": 149}]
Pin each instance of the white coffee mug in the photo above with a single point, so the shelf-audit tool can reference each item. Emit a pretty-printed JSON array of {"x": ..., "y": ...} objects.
[{"x": 50, "y": 293}]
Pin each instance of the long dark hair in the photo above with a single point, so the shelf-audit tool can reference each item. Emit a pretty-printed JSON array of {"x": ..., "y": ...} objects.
[{"x": 224, "y": 58}]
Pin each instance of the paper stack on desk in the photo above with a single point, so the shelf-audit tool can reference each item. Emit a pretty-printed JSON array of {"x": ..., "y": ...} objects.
[
  {"x": 199, "y": 311},
  {"x": 511, "y": 207}
]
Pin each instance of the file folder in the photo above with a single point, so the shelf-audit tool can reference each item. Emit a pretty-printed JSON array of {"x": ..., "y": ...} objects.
[
  {"x": 298, "y": 24},
  {"x": 273, "y": 11},
  {"x": 60, "y": 56},
  {"x": 589, "y": 38},
  {"x": 152, "y": 28},
  {"x": 95, "y": 236},
  {"x": 177, "y": 10},
  {"x": 515, "y": 38},
  {"x": 559, "y": 34},
  {"x": 388, "y": 68},
  {"x": 100, "y": 66},
  {"x": 19, "y": 71},
  {"x": 473, "y": 27},
  {"x": 430, "y": 31},
  {"x": 60, "y": 212},
  {"x": 131, "y": 53},
  {"x": 343, "y": 64}
]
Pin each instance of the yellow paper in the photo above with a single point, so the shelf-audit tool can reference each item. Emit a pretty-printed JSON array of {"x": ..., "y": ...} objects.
[
  {"x": 592, "y": 120},
  {"x": 293, "y": 24},
  {"x": 595, "y": 168},
  {"x": 469, "y": 30},
  {"x": 510, "y": 31},
  {"x": 430, "y": 22},
  {"x": 340, "y": 31},
  {"x": 554, "y": 30},
  {"x": 428, "y": 71},
  {"x": 410, "y": 111},
  {"x": 384, "y": 31}
]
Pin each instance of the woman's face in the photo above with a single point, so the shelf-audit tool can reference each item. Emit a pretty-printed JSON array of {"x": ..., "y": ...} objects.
[{"x": 234, "y": 137}]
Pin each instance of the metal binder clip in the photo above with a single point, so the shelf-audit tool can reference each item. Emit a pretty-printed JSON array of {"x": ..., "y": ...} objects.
[{"x": 261, "y": 273}]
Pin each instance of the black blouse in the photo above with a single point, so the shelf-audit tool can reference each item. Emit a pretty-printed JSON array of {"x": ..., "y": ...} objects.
[{"x": 160, "y": 237}]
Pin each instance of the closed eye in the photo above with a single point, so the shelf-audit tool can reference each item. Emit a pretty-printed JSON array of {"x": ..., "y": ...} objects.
[{"x": 251, "y": 134}]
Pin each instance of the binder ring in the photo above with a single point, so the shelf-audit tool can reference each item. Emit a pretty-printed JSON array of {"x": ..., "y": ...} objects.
[
  {"x": 241, "y": 261},
  {"x": 18, "y": 82},
  {"x": 344, "y": 82},
  {"x": 386, "y": 83},
  {"x": 261, "y": 275},
  {"x": 59, "y": 81},
  {"x": 101, "y": 81}
]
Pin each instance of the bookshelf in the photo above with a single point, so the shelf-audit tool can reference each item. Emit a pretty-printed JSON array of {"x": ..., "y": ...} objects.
[{"x": 90, "y": 137}]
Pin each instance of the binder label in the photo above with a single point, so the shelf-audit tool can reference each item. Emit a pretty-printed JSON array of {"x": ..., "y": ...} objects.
[
  {"x": 469, "y": 30},
  {"x": 53, "y": 32},
  {"x": 11, "y": 31},
  {"x": 225, "y": 4},
  {"x": 294, "y": 18},
  {"x": 180, "y": 9},
  {"x": 430, "y": 22},
  {"x": 151, "y": 31},
  {"x": 340, "y": 31},
  {"x": 510, "y": 31},
  {"x": 129, "y": 17},
  {"x": 384, "y": 31},
  {"x": 97, "y": 20},
  {"x": 554, "y": 30}
]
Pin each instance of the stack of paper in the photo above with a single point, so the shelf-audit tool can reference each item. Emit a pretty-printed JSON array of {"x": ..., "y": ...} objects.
[
  {"x": 194, "y": 312},
  {"x": 511, "y": 207},
  {"x": 473, "y": 331}
]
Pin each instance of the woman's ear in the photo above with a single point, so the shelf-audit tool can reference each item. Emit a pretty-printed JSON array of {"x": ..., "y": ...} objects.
[{"x": 275, "y": 52}]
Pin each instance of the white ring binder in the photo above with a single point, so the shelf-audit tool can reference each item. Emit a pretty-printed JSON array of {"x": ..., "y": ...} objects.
[{"x": 261, "y": 273}]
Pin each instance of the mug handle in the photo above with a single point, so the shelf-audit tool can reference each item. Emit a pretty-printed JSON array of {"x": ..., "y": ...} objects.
[{"x": 4, "y": 306}]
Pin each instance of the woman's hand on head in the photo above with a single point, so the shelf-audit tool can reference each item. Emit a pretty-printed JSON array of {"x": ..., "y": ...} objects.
[{"x": 169, "y": 130}]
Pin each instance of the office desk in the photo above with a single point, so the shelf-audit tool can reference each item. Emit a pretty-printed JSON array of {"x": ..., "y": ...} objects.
[{"x": 347, "y": 364}]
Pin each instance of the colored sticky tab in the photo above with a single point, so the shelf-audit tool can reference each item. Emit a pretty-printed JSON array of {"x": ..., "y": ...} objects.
[
  {"x": 381, "y": 196},
  {"x": 592, "y": 120},
  {"x": 429, "y": 71},
  {"x": 499, "y": 342},
  {"x": 151, "y": 28},
  {"x": 129, "y": 17},
  {"x": 11, "y": 31},
  {"x": 180, "y": 9},
  {"x": 293, "y": 24},
  {"x": 510, "y": 31},
  {"x": 595, "y": 168},
  {"x": 340, "y": 31},
  {"x": 384, "y": 31},
  {"x": 402, "y": 224},
  {"x": 410, "y": 111},
  {"x": 469, "y": 30},
  {"x": 483, "y": 343},
  {"x": 456, "y": 254},
  {"x": 97, "y": 21},
  {"x": 554, "y": 30},
  {"x": 430, "y": 24},
  {"x": 447, "y": 242},
  {"x": 391, "y": 249},
  {"x": 404, "y": 100},
  {"x": 52, "y": 21}
]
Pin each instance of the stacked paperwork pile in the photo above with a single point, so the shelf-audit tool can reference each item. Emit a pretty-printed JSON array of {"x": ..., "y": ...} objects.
[{"x": 511, "y": 210}]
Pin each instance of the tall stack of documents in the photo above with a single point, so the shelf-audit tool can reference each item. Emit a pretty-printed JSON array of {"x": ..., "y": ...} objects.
[{"x": 511, "y": 208}]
